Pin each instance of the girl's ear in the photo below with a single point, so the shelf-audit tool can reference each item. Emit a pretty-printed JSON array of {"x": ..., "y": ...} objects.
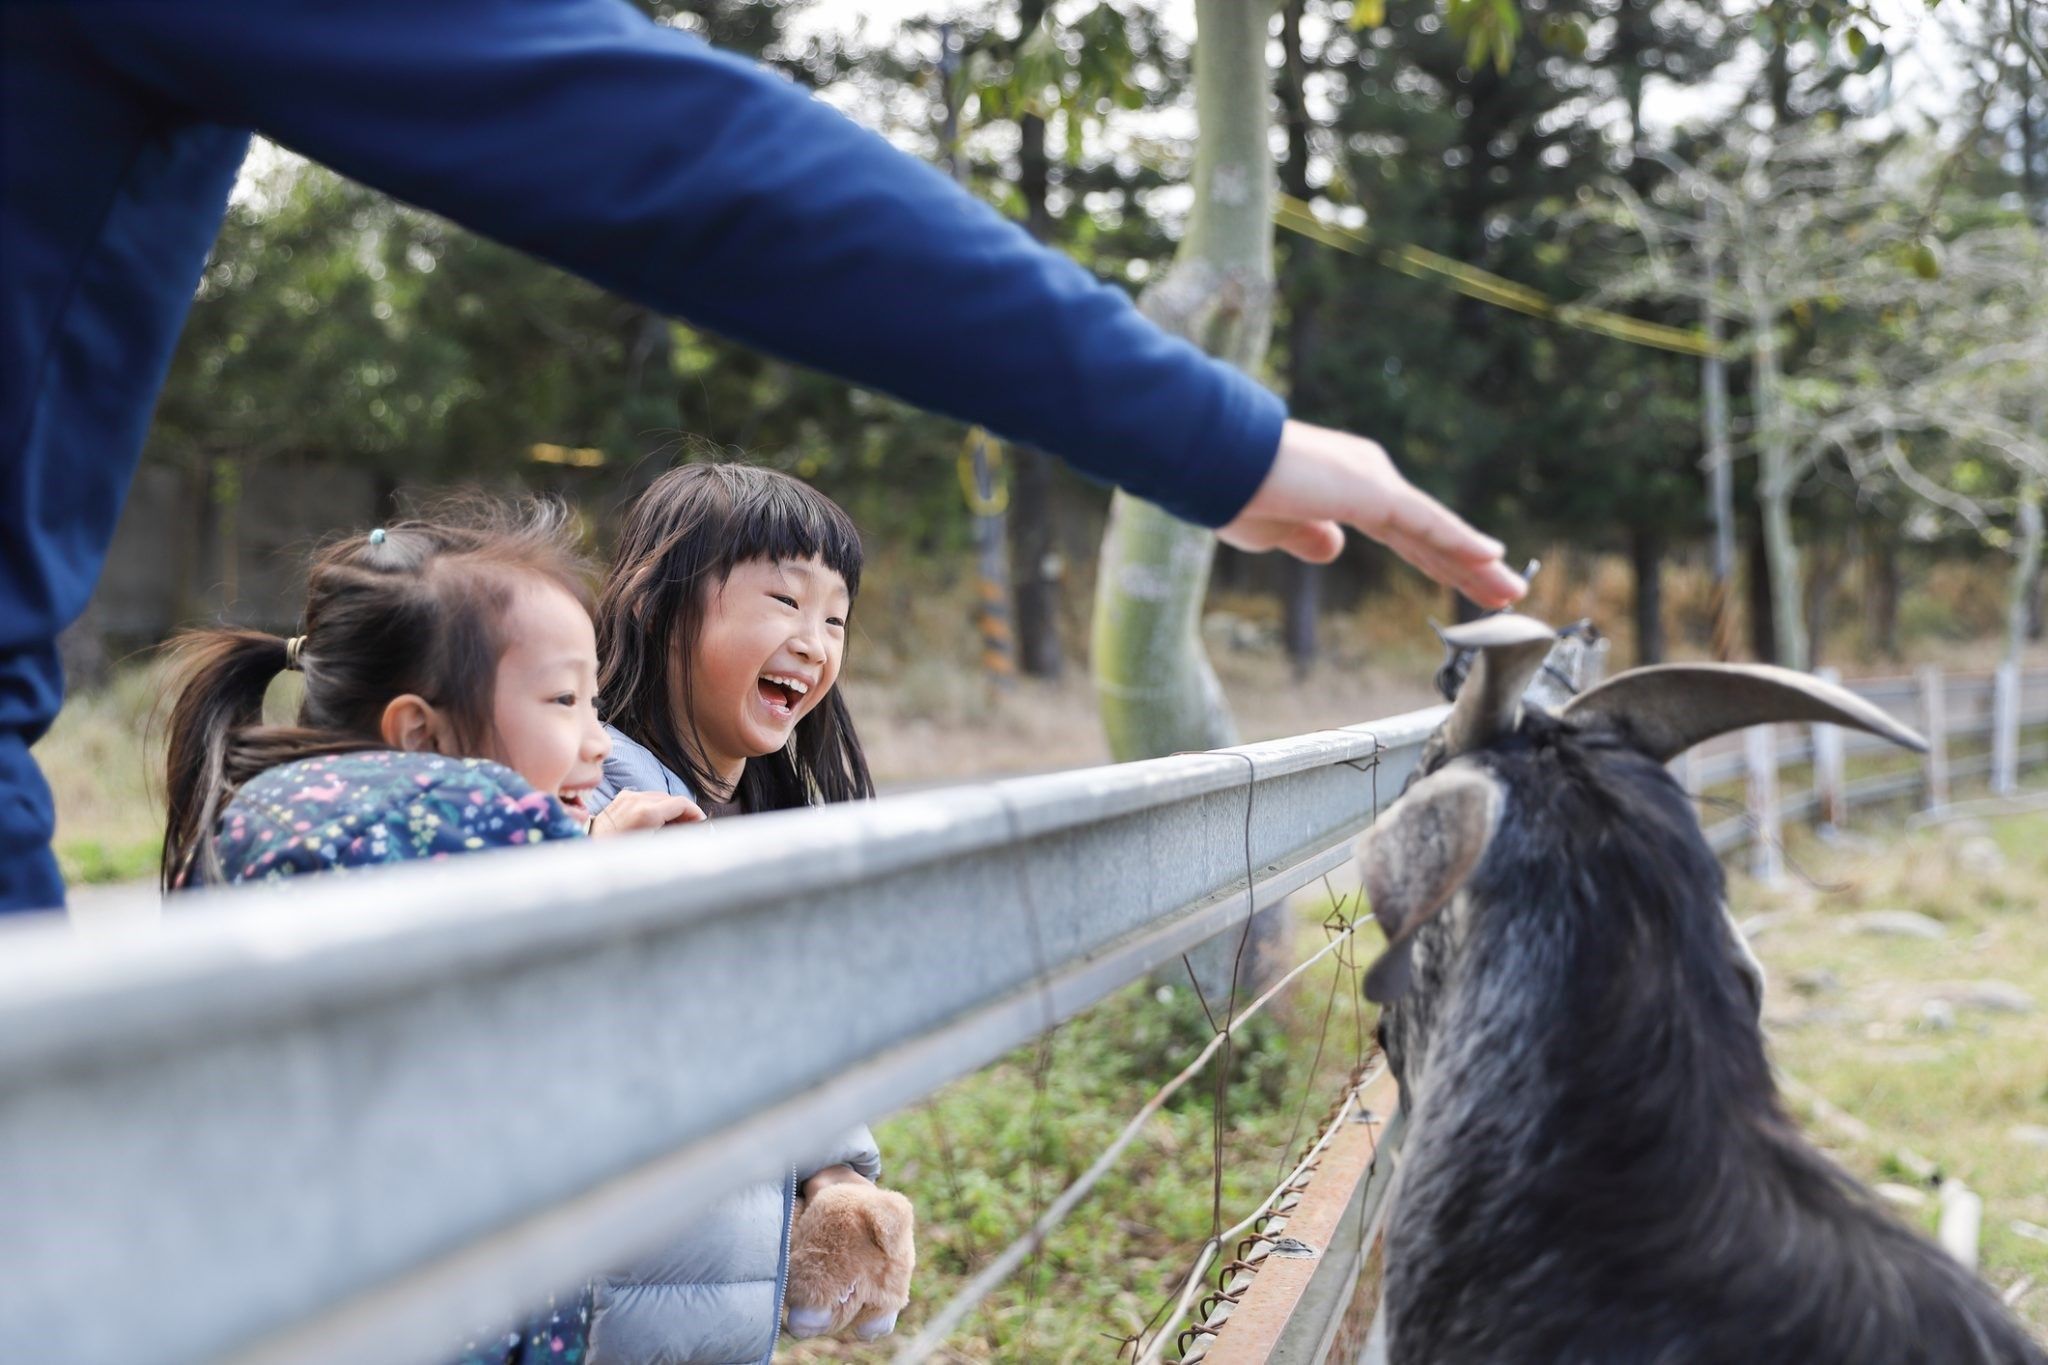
[{"x": 411, "y": 724}]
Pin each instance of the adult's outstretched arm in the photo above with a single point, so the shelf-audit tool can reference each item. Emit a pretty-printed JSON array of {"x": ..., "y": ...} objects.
[{"x": 707, "y": 187}]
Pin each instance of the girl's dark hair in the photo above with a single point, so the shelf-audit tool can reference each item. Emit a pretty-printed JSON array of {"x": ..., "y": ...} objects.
[
  {"x": 681, "y": 541},
  {"x": 415, "y": 607}
]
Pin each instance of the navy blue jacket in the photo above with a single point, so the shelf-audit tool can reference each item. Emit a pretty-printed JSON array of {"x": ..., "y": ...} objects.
[{"x": 688, "y": 179}]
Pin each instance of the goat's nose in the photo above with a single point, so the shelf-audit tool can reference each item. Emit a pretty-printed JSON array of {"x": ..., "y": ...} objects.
[
  {"x": 876, "y": 1327},
  {"x": 809, "y": 1322}
]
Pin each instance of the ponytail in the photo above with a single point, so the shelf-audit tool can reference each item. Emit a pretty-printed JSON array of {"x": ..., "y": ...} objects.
[{"x": 224, "y": 676}]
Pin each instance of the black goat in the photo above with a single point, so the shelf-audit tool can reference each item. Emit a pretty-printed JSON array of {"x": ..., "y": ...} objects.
[{"x": 1599, "y": 1169}]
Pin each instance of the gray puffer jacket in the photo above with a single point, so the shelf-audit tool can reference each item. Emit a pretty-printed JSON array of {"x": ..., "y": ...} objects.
[{"x": 714, "y": 1297}]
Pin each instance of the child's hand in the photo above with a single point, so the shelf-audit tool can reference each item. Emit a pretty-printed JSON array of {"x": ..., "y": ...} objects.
[
  {"x": 631, "y": 811},
  {"x": 851, "y": 1255}
]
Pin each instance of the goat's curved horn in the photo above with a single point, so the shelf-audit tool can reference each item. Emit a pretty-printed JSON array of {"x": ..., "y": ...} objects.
[
  {"x": 1511, "y": 649},
  {"x": 1668, "y": 708}
]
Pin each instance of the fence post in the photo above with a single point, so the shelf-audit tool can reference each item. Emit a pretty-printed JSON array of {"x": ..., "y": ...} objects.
[
  {"x": 2005, "y": 729},
  {"x": 1685, "y": 769},
  {"x": 1760, "y": 751},
  {"x": 1934, "y": 722},
  {"x": 1832, "y": 804}
]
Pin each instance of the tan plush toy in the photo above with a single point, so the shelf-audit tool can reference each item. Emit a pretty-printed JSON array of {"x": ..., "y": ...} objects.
[{"x": 851, "y": 1253}]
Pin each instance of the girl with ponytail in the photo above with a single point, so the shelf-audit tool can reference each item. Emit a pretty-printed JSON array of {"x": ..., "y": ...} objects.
[{"x": 450, "y": 705}]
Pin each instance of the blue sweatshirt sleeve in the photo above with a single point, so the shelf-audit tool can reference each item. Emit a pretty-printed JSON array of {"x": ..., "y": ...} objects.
[{"x": 707, "y": 187}]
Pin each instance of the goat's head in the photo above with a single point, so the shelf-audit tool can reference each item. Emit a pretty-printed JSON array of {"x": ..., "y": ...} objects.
[{"x": 1484, "y": 769}]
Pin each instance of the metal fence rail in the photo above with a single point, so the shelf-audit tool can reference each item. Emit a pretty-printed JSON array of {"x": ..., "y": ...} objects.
[
  {"x": 357, "y": 1125},
  {"x": 361, "y": 1123}
]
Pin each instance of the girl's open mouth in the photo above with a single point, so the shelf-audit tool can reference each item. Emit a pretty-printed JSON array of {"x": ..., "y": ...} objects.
[
  {"x": 576, "y": 800},
  {"x": 781, "y": 693}
]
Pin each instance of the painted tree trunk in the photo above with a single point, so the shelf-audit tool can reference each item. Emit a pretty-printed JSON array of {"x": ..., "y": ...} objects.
[
  {"x": 1157, "y": 692},
  {"x": 1775, "y": 485},
  {"x": 1154, "y": 684}
]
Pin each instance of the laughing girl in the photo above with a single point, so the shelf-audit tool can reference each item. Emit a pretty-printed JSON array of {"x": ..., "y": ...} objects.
[{"x": 720, "y": 635}]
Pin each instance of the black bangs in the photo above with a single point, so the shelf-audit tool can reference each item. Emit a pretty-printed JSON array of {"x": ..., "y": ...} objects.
[{"x": 769, "y": 515}]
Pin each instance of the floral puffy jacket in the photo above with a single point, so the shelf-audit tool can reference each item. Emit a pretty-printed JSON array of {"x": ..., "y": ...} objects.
[{"x": 342, "y": 811}]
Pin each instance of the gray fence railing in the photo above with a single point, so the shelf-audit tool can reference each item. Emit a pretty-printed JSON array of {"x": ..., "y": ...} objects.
[
  {"x": 354, "y": 1118},
  {"x": 357, "y": 1117}
]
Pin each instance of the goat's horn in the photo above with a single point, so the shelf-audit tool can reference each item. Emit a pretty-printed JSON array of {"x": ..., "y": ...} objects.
[
  {"x": 1511, "y": 649},
  {"x": 1668, "y": 708}
]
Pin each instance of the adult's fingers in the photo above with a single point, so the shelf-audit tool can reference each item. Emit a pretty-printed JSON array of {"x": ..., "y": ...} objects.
[{"x": 1318, "y": 542}]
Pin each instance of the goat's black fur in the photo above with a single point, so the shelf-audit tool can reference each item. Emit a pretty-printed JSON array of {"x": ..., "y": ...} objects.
[{"x": 1599, "y": 1169}]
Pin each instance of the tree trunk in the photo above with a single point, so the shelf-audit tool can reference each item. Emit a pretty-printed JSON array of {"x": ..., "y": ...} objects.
[
  {"x": 1763, "y": 639},
  {"x": 1156, "y": 689},
  {"x": 2025, "y": 571},
  {"x": 1304, "y": 598},
  {"x": 1035, "y": 568},
  {"x": 1827, "y": 561},
  {"x": 1646, "y": 554},
  {"x": 1301, "y": 582},
  {"x": 1881, "y": 595}
]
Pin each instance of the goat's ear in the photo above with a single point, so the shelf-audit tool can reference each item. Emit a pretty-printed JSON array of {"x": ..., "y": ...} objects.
[
  {"x": 1668, "y": 708},
  {"x": 1417, "y": 857},
  {"x": 1510, "y": 650}
]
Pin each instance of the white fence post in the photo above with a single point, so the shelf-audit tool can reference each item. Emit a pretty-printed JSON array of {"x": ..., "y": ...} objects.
[
  {"x": 2005, "y": 729},
  {"x": 1760, "y": 750},
  {"x": 1832, "y": 805},
  {"x": 1934, "y": 723}
]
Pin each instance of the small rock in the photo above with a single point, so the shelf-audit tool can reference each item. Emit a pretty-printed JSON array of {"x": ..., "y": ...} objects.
[
  {"x": 1980, "y": 856},
  {"x": 1756, "y": 926},
  {"x": 1936, "y": 1016},
  {"x": 1989, "y": 997},
  {"x": 1895, "y": 924},
  {"x": 2028, "y": 1134},
  {"x": 1815, "y": 981},
  {"x": 1905, "y": 1196}
]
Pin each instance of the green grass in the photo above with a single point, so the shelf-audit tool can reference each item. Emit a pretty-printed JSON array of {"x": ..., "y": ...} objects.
[
  {"x": 982, "y": 1155},
  {"x": 102, "y": 765},
  {"x": 1847, "y": 1018}
]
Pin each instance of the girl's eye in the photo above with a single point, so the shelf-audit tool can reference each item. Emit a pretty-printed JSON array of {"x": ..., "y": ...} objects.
[
  {"x": 566, "y": 699},
  {"x": 838, "y": 621},
  {"x": 789, "y": 602}
]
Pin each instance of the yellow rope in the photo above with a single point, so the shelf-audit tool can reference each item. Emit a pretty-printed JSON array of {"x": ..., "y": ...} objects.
[{"x": 1297, "y": 217}]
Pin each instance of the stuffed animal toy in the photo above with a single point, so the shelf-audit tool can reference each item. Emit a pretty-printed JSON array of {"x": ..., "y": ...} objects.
[{"x": 851, "y": 1253}]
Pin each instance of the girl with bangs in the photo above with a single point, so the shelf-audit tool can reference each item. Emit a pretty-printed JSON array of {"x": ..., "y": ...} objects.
[{"x": 720, "y": 635}]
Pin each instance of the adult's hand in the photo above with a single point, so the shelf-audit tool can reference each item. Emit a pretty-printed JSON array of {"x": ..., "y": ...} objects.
[{"x": 1324, "y": 480}]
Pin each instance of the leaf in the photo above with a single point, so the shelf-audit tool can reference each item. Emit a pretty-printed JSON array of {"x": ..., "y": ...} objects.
[
  {"x": 1368, "y": 14},
  {"x": 1857, "y": 42}
]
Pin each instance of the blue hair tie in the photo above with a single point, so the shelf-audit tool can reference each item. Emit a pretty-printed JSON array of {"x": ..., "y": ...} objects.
[{"x": 377, "y": 536}]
